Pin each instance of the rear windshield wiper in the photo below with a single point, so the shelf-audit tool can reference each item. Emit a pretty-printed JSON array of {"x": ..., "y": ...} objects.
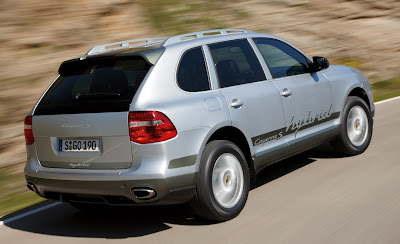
[{"x": 82, "y": 96}]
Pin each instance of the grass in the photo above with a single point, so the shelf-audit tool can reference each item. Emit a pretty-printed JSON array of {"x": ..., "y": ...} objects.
[
  {"x": 184, "y": 16},
  {"x": 14, "y": 195},
  {"x": 381, "y": 89},
  {"x": 386, "y": 89},
  {"x": 356, "y": 63},
  {"x": 41, "y": 50}
]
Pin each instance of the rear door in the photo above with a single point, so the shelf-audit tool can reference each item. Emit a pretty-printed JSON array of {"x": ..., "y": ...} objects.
[
  {"x": 254, "y": 102},
  {"x": 82, "y": 120},
  {"x": 306, "y": 97}
]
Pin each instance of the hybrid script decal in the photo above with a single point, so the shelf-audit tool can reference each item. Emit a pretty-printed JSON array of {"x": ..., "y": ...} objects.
[
  {"x": 74, "y": 165},
  {"x": 296, "y": 125}
]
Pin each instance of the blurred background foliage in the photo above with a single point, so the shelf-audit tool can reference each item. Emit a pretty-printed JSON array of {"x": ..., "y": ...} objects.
[{"x": 37, "y": 35}]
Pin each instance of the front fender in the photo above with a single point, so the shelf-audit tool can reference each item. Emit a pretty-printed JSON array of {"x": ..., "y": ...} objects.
[{"x": 343, "y": 80}]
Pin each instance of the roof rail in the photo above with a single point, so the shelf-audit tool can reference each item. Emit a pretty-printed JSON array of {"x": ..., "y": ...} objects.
[
  {"x": 125, "y": 44},
  {"x": 201, "y": 34}
]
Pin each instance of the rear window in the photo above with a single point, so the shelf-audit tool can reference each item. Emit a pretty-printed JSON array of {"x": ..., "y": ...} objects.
[{"x": 94, "y": 85}]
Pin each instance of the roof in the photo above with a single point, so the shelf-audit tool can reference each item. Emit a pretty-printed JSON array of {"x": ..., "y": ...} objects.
[{"x": 140, "y": 45}]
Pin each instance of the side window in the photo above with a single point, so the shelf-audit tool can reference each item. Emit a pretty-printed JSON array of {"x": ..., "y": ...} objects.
[
  {"x": 192, "y": 72},
  {"x": 236, "y": 63},
  {"x": 282, "y": 59}
]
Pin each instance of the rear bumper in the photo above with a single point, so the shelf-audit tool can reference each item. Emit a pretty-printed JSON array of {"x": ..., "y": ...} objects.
[
  {"x": 164, "y": 168},
  {"x": 173, "y": 190}
]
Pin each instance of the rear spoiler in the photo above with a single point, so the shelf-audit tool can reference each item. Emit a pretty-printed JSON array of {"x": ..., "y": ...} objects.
[{"x": 78, "y": 65}]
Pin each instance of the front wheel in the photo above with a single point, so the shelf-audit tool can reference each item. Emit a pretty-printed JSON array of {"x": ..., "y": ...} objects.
[
  {"x": 223, "y": 183},
  {"x": 356, "y": 128}
]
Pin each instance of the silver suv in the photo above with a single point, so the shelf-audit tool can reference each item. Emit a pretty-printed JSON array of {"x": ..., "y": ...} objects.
[{"x": 189, "y": 118}]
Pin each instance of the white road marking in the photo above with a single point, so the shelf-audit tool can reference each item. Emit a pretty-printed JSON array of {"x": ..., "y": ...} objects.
[
  {"x": 29, "y": 213},
  {"x": 58, "y": 203},
  {"x": 387, "y": 100}
]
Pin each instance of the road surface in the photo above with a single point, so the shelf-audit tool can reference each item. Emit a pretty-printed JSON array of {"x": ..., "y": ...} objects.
[{"x": 314, "y": 197}]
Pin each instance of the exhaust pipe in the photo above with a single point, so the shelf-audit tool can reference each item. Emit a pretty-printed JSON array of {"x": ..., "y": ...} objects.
[
  {"x": 32, "y": 187},
  {"x": 144, "y": 193}
]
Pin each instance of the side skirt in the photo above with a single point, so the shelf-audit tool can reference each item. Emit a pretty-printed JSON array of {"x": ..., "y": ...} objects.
[{"x": 279, "y": 153}]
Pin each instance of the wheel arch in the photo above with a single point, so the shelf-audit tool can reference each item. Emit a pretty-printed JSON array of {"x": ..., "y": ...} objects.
[
  {"x": 234, "y": 135},
  {"x": 361, "y": 93},
  {"x": 355, "y": 89}
]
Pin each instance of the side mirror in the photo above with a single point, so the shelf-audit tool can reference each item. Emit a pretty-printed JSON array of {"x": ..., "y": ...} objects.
[{"x": 320, "y": 63}]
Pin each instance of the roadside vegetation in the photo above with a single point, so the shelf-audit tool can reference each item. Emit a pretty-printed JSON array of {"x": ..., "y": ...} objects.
[
  {"x": 386, "y": 89},
  {"x": 383, "y": 89},
  {"x": 184, "y": 17},
  {"x": 14, "y": 195}
]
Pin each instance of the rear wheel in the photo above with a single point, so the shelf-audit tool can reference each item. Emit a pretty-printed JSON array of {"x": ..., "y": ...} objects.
[
  {"x": 223, "y": 183},
  {"x": 356, "y": 128}
]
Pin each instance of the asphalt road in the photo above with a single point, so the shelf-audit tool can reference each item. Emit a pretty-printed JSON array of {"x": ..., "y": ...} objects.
[{"x": 314, "y": 197}]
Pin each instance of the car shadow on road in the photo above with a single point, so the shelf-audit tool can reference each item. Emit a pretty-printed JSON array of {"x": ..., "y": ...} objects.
[
  {"x": 108, "y": 223},
  {"x": 284, "y": 167},
  {"x": 126, "y": 222}
]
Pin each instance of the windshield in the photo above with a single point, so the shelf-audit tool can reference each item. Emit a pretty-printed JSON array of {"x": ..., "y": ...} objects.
[{"x": 93, "y": 85}]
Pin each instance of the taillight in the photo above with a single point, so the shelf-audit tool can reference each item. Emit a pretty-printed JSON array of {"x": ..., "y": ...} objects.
[
  {"x": 29, "y": 139},
  {"x": 150, "y": 126}
]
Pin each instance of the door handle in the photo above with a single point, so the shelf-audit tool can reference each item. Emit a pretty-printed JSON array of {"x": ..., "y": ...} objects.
[
  {"x": 286, "y": 92},
  {"x": 236, "y": 103}
]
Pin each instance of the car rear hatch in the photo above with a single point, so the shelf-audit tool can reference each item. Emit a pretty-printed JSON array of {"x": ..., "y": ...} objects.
[{"x": 81, "y": 122}]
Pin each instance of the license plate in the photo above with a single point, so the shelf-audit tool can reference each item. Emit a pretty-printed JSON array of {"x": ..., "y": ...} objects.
[{"x": 78, "y": 145}]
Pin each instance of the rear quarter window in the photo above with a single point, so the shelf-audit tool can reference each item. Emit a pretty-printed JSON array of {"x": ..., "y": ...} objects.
[{"x": 192, "y": 72}]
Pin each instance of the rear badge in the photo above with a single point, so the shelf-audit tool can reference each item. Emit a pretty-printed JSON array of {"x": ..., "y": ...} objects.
[{"x": 76, "y": 126}]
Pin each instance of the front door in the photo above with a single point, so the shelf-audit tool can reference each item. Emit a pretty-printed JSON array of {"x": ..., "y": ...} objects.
[{"x": 306, "y": 97}]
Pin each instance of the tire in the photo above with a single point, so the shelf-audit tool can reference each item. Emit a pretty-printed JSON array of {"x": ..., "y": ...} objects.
[
  {"x": 356, "y": 128},
  {"x": 223, "y": 169}
]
